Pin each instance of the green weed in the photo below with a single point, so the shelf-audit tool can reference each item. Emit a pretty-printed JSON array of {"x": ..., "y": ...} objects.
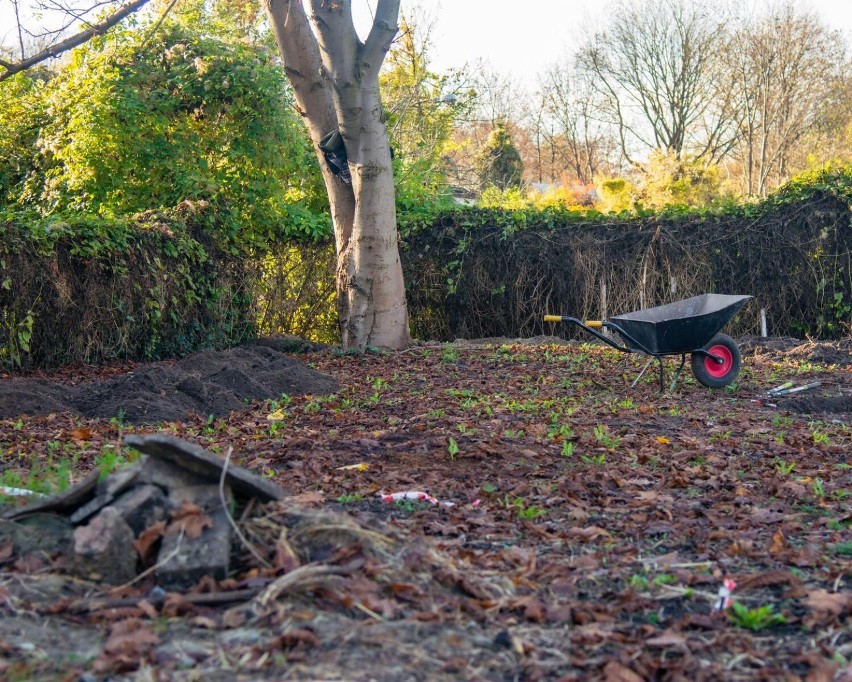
[
  {"x": 783, "y": 467},
  {"x": 453, "y": 448},
  {"x": 754, "y": 619},
  {"x": 604, "y": 438}
]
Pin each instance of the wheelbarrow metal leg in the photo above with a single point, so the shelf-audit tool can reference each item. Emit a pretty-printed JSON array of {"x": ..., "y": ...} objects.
[
  {"x": 677, "y": 374},
  {"x": 644, "y": 369}
]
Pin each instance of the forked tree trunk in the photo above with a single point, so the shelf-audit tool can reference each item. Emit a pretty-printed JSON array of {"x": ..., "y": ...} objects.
[{"x": 335, "y": 77}]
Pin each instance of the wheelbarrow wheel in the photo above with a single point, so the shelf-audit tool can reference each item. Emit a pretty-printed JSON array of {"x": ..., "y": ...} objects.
[{"x": 717, "y": 374}]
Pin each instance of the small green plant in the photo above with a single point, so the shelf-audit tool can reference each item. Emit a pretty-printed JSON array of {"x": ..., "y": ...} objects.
[
  {"x": 640, "y": 582},
  {"x": 109, "y": 459},
  {"x": 818, "y": 488},
  {"x": 843, "y": 549},
  {"x": 779, "y": 420},
  {"x": 754, "y": 619},
  {"x": 527, "y": 512},
  {"x": 489, "y": 488},
  {"x": 594, "y": 459},
  {"x": 567, "y": 448},
  {"x": 453, "y": 448},
  {"x": 560, "y": 431},
  {"x": 350, "y": 498},
  {"x": 783, "y": 467},
  {"x": 118, "y": 419},
  {"x": 604, "y": 438},
  {"x": 664, "y": 579},
  {"x": 821, "y": 437},
  {"x": 449, "y": 355}
]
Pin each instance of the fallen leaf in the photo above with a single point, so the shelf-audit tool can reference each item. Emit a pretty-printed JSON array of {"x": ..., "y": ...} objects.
[
  {"x": 7, "y": 550},
  {"x": 147, "y": 539},
  {"x": 81, "y": 434},
  {"x": 778, "y": 543},
  {"x": 662, "y": 440},
  {"x": 190, "y": 519},
  {"x": 588, "y": 534},
  {"x": 126, "y": 647},
  {"x": 307, "y": 499},
  {"x": 277, "y": 416},
  {"x": 615, "y": 672},
  {"x": 830, "y": 603},
  {"x": 667, "y": 639}
]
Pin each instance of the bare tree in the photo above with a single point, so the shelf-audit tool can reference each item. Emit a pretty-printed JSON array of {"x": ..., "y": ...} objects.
[
  {"x": 335, "y": 76},
  {"x": 788, "y": 78},
  {"x": 576, "y": 140},
  {"x": 658, "y": 71},
  {"x": 73, "y": 16}
]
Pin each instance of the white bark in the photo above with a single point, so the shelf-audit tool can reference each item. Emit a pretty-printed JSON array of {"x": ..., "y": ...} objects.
[{"x": 336, "y": 81}]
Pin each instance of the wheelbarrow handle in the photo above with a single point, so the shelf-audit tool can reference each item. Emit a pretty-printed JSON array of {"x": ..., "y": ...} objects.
[{"x": 597, "y": 324}]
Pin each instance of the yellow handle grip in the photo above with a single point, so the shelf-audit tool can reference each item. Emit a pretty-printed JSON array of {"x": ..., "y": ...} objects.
[
  {"x": 596, "y": 324},
  {"x": 553, "y": 318}
]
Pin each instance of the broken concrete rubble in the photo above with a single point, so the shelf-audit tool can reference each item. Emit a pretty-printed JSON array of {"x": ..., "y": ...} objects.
[{"x": 175, "y": 484}]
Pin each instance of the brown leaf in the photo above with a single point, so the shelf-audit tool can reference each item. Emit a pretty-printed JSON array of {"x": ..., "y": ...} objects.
[
  {"x": 615, "y": 672},
  {"x": 667, "y": 639},
  {"x": 147, "y": 539},
  {"x": 190, "y": 519},
  {"x": 779, "y": 544},
  {"x": 149, "y": 609},
  {"x": 127, "y": 645},
  {"x": 81, "y": 434},
  {"x": 311, "y": 498},
  {"x": 829, "y": 603},
  {"x": 175, "y": 604},
  {"x": 588, "y": 534},
  {"x": 7, "y": 550}
]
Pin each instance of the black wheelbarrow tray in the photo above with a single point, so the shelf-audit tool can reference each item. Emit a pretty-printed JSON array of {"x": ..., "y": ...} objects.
[{"x": 688, "y": 327}]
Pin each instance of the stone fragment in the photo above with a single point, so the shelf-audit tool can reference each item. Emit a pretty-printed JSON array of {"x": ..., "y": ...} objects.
[
  {"x": 106, "y": 491},
  {"x": 184, "y": 560},
  {"x": 103, "y": 549},
  {"x": 37, "y": 532},
  {"x": 141, "y": 507},
  {"x": 206, "y": 465}
]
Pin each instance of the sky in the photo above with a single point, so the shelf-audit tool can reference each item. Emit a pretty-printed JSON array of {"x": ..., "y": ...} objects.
[
  {"x": 524, "y": 43},
  {"x": 516, "y": 41}
]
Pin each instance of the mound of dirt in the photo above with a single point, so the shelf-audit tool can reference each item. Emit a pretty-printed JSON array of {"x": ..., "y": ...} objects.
[
  {"x": 206, "y": 383},
  {"x": 782, "y": 347}
]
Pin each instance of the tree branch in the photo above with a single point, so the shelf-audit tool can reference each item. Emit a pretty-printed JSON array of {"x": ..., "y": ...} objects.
[
  {"x": 73, "y": 41},
  {"x": 384, "y": 29}
]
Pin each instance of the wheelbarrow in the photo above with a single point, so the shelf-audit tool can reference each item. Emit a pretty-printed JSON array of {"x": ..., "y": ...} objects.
[{"x": 688, "y": 327}]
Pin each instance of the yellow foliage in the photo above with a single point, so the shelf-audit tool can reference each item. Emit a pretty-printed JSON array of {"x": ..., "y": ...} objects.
[{"x": 615, "y": 195}]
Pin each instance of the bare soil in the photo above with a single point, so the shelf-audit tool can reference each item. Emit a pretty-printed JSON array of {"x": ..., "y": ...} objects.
[
  {"x": 582, "y": 528},
  {"x": 206, "y": 383}
]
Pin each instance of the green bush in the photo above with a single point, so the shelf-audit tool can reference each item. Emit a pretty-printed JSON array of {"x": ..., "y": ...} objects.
[{"x": 81, "y": 288}]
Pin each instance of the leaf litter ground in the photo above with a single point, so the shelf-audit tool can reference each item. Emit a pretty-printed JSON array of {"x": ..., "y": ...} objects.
[{"x": 582, "y": 531}]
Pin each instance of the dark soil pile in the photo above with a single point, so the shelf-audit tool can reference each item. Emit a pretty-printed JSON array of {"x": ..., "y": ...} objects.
[{"x": 206, "y": 383}]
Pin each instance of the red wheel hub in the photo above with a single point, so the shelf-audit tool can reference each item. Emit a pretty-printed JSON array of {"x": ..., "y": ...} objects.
[{"x": 719, "y": 369}]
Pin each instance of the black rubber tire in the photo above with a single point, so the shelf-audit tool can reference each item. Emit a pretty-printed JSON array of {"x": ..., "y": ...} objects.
[{"x": 711, "y": 374}]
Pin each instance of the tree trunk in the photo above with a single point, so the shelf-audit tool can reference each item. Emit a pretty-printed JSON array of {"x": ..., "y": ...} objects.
[{"x": 335, "y": 77}]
